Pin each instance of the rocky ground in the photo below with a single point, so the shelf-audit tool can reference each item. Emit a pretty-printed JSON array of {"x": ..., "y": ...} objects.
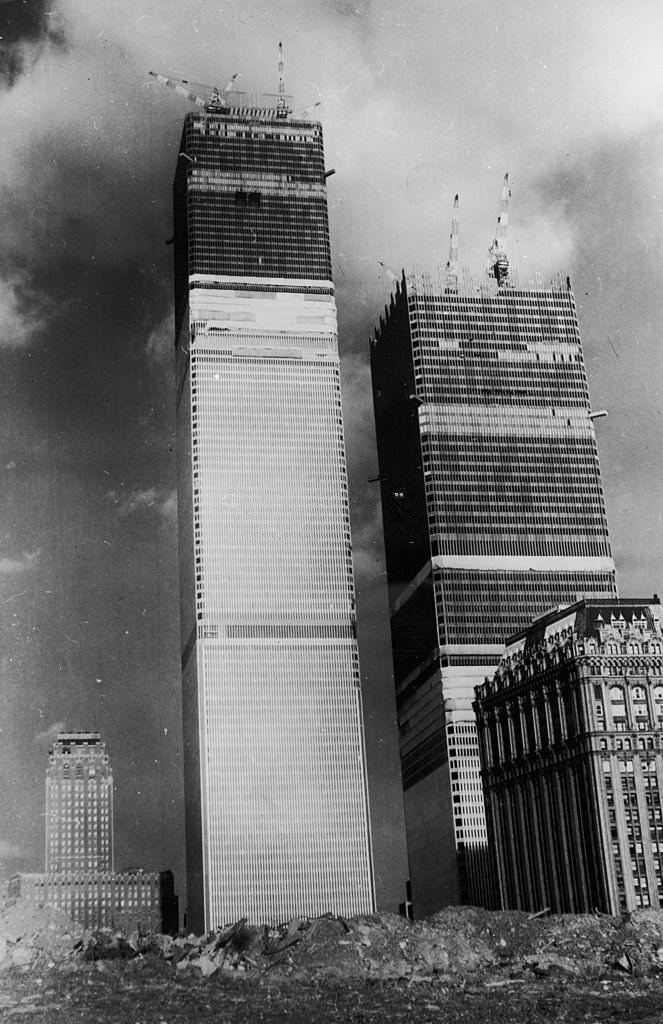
[{"x": 462, "y": 965}]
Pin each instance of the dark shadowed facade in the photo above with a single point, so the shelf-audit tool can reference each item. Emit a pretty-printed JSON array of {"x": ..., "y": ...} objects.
[
  {"x": 571, "y": 738},
  {"x": 493, "y": 511}
]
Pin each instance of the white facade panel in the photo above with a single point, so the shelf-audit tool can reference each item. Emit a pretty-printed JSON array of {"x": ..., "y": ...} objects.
[
  {"x": 267, "y": 311},
  {"x": 283, "y": 790},
  {"x": 284, "y": 780},
  {"x": 525, "y": 563}
]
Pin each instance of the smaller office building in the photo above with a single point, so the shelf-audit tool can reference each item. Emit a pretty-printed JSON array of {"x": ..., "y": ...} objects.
[
  {"x": 571, "y": 743},
  {"x": 142, "y": 901},
  {"x": 79, "y": 877},
  {"x": 79, "y": 805}
]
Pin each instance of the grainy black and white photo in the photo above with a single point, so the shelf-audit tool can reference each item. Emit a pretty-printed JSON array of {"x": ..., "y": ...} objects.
[{"x": 331, "y": 494}]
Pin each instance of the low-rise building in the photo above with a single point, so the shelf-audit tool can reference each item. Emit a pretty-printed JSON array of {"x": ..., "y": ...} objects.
[
  {"x": 571, "y": 741},
  {"x": 131, "y": 900}
]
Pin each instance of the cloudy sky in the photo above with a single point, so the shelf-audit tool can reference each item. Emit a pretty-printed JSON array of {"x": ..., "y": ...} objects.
[{"x": 419, "y": 99}]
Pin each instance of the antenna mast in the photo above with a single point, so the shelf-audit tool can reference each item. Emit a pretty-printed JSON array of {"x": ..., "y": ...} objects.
[
  {"x": 499, "y": 261},
  {"x": 452, "y": 262}
]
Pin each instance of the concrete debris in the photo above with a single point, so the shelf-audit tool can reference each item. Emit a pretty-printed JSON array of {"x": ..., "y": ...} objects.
[
  {"x": 105, "y": 944},
  {"x": 456, "y": 944},
  {"x": 36, "y": 936},
  {"x": 624, "y": 963}
]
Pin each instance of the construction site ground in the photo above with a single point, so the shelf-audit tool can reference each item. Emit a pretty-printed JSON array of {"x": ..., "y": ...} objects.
[{"x": 462, "y": 965}]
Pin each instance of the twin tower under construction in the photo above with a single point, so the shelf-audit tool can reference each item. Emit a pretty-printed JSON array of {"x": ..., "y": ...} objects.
[
  {"x": 275, "y": 770},
  {"x": 492, "y": 506}
]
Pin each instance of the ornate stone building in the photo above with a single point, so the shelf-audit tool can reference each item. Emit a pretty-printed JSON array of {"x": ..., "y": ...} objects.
[
  {"x": 79, "y": 877},
  {"x": 79, "y": 805},
  {"x": 571, "y": 743}
]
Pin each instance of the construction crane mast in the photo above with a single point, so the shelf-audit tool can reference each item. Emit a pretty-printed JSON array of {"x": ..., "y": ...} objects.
[
  {"x": 452, "y": 262},
  {"x": 281, "y": 103},
  {"x": 499, "y": 261}
]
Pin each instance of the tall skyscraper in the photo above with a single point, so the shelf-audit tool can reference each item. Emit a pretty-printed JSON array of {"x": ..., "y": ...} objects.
[
  {"x": 275, "y": 776},
  {"x": 493, "y": 511},
  {"x": 79, "y": 805}
]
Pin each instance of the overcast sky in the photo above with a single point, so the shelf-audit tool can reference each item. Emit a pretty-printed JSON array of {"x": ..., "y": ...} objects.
[{"x": 419, "y": 100}]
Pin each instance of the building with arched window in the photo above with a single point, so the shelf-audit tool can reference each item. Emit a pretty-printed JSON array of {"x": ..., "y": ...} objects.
[{"x": 571, "y": 742}]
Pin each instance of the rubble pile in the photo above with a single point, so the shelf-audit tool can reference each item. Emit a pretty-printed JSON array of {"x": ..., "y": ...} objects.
[
  {"x": 455, "y": 944},
  {"x": 32, "y": 936}
]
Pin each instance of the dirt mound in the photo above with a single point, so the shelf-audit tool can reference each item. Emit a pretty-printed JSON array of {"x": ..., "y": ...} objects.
[
  {"x": 32, "y": 935},
  {"x": 477, "y": 939},
  {"x": 456, "y": 943},
  {"x": 463, "y": 964}
]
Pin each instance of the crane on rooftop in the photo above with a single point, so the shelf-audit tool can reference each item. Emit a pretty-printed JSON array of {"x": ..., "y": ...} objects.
[
  {"x": 281, "y": 102},
  {"x": 497, "y": 254},
  {"x": 217, "y": 100},
  {"x": 452, "y": 262}
]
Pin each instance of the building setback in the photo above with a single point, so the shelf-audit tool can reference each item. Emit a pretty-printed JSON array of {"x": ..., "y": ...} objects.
[
  {"x": 79, "y": 877},
  {"x": 79, "y": 805},
  {"x": 571, "y": 738},
  {"x": 493, "y": 511},
  {"x": 275, "y": 779}
]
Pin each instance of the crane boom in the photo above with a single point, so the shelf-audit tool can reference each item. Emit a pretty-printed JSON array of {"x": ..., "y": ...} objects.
[
  {"x": 179, "y": 87},
  {"x": 216, "y": 99},
  {"x": 452, "y": 262}
]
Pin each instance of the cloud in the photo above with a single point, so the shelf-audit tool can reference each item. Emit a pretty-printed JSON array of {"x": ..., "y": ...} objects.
[
  {"x": 169, "y": 507},
  {"x": 49, "y": 735},
  {"x": 21, "y": 312},
  {"x": 357, "y": 403},
  {"x": 367, "y": 546},
  {"x": 24, "y": 24},
  {"x": 613, "y": 196},
  {"x": 11, "y": 566},
  {"x": 142, "y": 501},
  {"x": 135, "y": 502},
  {"x": 159, "y": 347},
  {"x": 404, "y": 133}
]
